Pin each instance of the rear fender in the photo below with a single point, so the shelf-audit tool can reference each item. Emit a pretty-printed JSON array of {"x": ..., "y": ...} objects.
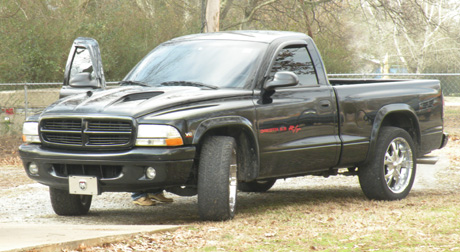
[{"x": 383, "y": 118}]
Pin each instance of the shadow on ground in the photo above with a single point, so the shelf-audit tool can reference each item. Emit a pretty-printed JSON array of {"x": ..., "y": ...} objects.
[{"x": 185, "y": 211}]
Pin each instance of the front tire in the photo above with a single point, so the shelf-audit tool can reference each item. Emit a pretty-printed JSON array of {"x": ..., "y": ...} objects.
[
  {"x": 390, "y": 172},
  {"x": 69, "y": 204},
  {"x": 217, "y": 179}
]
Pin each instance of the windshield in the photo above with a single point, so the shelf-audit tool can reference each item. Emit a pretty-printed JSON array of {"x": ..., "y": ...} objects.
[{"x": 216, "y": 63}]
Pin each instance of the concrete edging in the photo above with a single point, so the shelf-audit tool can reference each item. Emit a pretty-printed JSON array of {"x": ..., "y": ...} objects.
[{"x": 36, "y": 237}]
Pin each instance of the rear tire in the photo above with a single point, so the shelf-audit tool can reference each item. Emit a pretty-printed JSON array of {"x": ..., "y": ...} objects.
[
  {"x": 69, "y": 204},
  {"x": 217, "y": 179},
  {"x": 257, "y": 185},
  {"x": 390, "y": 172}
]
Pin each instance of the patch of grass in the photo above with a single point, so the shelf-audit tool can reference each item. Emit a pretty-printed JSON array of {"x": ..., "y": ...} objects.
[
  {"x": 9, "y": 150},
  {"x": 336, "y": 224},
  {"x": 452, "y": 120},
  {"x": 13, "y": 176}
]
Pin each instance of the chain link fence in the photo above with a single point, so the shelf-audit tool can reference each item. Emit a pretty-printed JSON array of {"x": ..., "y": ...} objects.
[{"x": 19, "y": 100}]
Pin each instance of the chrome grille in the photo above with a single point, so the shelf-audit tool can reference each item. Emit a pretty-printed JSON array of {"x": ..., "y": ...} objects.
[
  {"x": 87, "y": 133},
  {"x": 109, "y": 126},
  {"x": 72, "y": 139},
  {"x": 108, "y": 139},
  {"x": 71, "y": 124}
]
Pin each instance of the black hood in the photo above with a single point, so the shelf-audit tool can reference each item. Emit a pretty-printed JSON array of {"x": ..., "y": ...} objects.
[{"x": 137, "y": 101}]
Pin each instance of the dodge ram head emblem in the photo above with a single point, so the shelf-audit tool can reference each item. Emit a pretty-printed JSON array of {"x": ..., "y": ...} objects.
[{"x": 83, "y": 184}]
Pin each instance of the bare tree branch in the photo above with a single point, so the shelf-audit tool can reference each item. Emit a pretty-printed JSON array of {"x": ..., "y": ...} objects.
[
  {"x": 249, "y": 16},
  {"x": 227, "y": 5}
]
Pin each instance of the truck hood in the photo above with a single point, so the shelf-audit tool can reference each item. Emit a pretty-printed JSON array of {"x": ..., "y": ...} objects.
[{"x": 136, "y": 101}]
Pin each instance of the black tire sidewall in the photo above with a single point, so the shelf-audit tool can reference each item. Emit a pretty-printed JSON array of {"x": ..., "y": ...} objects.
[
  {"x": 372, "y": 174},
  {"x": 213, "y": 178},
  {"x": 67, "y": 204}
]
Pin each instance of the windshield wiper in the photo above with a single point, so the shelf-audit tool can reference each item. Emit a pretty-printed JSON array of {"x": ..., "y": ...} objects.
[
  {"x": 188, "y": 83},
  {"x": 130, "y": 82}
]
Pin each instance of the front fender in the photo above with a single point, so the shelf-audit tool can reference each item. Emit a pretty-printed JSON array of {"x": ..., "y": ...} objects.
[
  {"x": 231, "y": 126},
  {"x": 223, "y": 121}
]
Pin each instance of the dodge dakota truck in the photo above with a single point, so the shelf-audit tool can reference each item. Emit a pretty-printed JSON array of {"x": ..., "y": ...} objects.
[{"x": 213, "y": 114}]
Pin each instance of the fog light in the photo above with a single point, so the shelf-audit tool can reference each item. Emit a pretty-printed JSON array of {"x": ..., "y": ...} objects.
[
  {"x": 150, "y": 173},
  {"x": 33, "y": 169}
]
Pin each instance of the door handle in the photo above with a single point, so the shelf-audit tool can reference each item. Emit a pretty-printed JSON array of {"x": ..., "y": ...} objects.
[{"x": 325, "y": 103}]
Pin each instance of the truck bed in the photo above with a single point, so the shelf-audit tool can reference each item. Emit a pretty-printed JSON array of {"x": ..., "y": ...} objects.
[{"x": 360, "y": 101}]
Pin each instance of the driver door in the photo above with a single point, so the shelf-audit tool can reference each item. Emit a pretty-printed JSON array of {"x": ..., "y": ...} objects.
[
  {"x": 297, "y": 126},
  {"x": 83, "y": 71}
]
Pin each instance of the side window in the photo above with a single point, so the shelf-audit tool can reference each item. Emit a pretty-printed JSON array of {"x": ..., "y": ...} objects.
[{"x": 296, "y": 59}]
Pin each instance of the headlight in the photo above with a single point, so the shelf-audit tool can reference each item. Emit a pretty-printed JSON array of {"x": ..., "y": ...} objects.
[
  {"x": 158, "y": 135},
  {"x": 30, "y": 132}
]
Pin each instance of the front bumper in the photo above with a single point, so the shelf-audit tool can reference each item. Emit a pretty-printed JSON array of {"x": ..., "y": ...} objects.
[{"x": 127, "y": 168}]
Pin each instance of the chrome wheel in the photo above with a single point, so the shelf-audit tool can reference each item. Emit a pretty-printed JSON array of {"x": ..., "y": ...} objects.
[
  {"x": 233, "y": 182},
  {"x": 389, "y": 171},
  {"x": 398, "y": 165}
]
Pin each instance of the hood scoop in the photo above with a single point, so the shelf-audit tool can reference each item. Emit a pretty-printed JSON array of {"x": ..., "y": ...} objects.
[
  {"x": 130, "y": 101},
  {"x": 139, "y": 96}
]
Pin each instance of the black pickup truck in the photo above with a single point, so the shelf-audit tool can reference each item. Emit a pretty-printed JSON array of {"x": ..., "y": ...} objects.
[{"x": 214, "y": 114}]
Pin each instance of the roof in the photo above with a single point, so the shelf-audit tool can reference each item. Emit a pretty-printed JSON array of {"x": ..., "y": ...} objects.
[{"x": 255, "y": 35}]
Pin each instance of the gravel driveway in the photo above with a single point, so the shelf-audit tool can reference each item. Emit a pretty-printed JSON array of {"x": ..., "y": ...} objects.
[{"x": 29, "y": 202}]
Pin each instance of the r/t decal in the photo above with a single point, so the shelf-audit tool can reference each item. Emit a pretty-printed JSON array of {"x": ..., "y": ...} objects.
[{"x": 293, "y": 128}]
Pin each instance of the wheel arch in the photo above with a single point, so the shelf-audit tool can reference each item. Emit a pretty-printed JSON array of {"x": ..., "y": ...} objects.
[
  {"x": 396, "y": 115},
  {"x": 243, "y": 131}
]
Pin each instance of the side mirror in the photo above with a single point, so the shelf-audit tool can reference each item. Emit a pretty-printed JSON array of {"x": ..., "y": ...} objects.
[
  {"x": 83, "y": 80},
  {"x": 83, "y": 71},
  {"x": 282, "y": 79}
]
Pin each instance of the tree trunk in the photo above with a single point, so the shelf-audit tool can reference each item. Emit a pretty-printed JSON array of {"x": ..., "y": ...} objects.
[{"x": 212, "y": 16}]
